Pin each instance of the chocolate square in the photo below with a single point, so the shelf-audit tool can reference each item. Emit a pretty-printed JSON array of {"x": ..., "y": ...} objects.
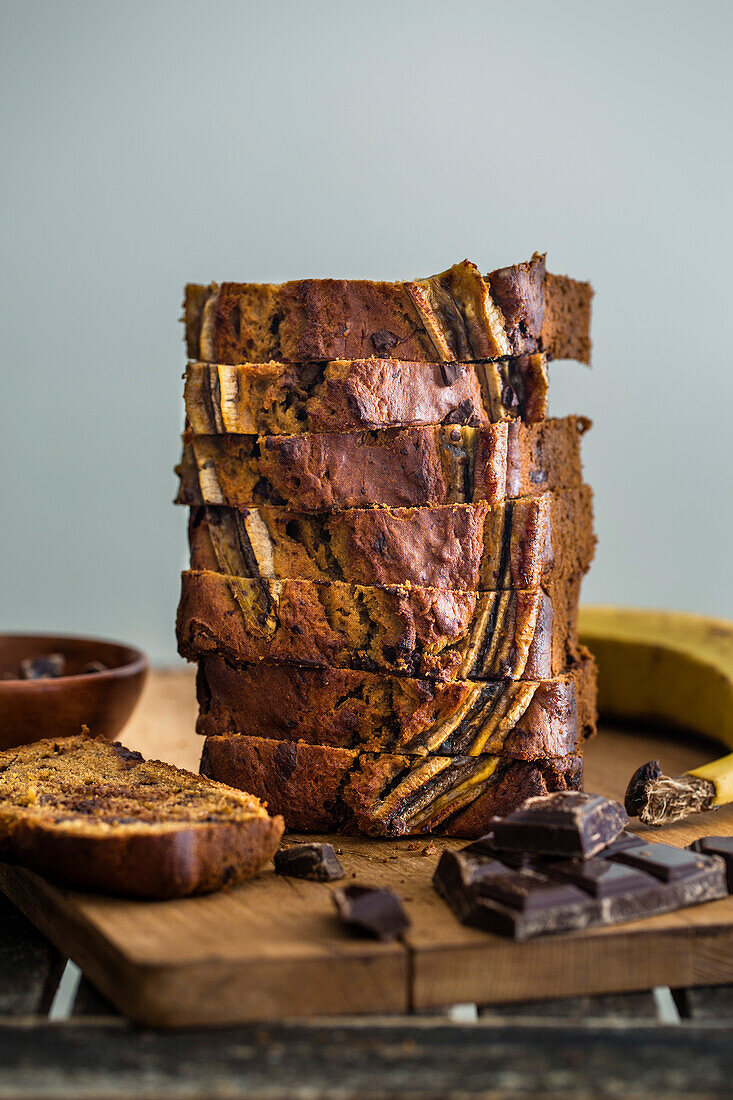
[
  {"x": 602, "y": 878},
  {"x": 569, "y": 823},
  {"x": 662, "y": 860}
]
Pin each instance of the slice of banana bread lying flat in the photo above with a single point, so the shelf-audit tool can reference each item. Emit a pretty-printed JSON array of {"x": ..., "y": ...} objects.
[
  {"x": 457, "y": 315},
  {"x": 370, "y": 712},
  {"x": 424, "y": 632},
  {"x": 96, "y": 816},
  {"x": 395, "y": 467},
  {"x": 321, "y": 789},
  {"x": 516, "y": 544},
  {"x": 288, "y": 398}
]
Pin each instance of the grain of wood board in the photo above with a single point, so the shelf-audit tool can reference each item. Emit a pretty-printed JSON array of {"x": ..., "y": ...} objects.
[{"x": 273, "y": 948}]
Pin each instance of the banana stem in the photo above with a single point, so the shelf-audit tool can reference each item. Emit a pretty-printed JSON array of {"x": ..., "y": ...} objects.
[{"x": 658, "y": 799}]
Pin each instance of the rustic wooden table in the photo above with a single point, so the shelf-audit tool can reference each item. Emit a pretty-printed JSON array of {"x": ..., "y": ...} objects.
[{"x": 59, "y": 1039}]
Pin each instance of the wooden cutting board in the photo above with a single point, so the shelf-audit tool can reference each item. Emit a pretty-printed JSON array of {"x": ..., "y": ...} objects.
[{"x": 273, "y": 948}]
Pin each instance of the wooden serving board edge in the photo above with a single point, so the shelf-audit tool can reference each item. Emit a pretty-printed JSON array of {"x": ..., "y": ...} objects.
[{"x": 373, "y": 979}]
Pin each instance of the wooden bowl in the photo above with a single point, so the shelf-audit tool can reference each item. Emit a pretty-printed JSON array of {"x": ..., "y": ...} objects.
[{"x": 33, "y": 709}]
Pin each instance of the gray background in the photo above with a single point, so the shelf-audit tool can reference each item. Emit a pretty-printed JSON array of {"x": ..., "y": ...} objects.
[{"x": 147, "y": 144}]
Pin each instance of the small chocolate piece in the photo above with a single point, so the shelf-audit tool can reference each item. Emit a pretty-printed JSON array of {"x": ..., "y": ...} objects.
[
  {"x": 317, "y": 862},
  {"x": 461, "y": 869},
  {"x": 94, "y": 666},
  {"x": 545, "y": 895},
  {"x": 569, "y": 823},
  {"x": 461, "y": 414},
  {"x": 484, "y": 846},
  {"x": 527, "y": 891},
  {"x": 384, "y": 341},
  {"x": 661, "y": 860},
  {"x": 48, "y": 666},
  {"x": 600, "y": 877},
  {"x": 637, "y": 790},
  {"x": 451, "y": 372},
  {"x": 375, "y": 911},
  {"x": 717, "y": 846},
  {"x": 622, "y": 842}
]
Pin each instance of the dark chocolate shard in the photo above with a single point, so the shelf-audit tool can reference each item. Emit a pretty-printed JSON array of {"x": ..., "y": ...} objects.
[
  {"x": 461, "y": 869},
  {"x": 623, "y": 841},
  {"x": 528, "y": 891},
  {"x": 600, "y": 877},
  {"x": 570, "y": 823},
  {"x": 461, "y": 414},
  {"x": 485, "y": 848},
  {"x": 637, "y": 790},
  {"x": 49, "y": 666},
  {"x": 451, "y": 372},
  {"x": 317, "y": 862},
  {"x": 384, "y": 341},
  {"x": 375, "y": 911},
  {"x": 717, "y": 846},
  {"x": 497, "y": 892},
  {"x": 661, "y": 860}
]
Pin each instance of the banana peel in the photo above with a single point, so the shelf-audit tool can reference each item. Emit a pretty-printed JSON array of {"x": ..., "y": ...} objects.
[{"x": 667, "y": 668}]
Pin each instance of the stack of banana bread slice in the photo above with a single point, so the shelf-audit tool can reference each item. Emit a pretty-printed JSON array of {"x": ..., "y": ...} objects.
[{"x": 387, "y": 542}]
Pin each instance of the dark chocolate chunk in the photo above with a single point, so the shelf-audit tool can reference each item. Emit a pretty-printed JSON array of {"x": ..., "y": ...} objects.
[
  {"x": 375, "y": 911},
  {"x": 489, "y": 890},
  {"x": 46, "y": 667},
  {"x": 717, "y": 846},
  {"x": 636, "y": 792},
  {"x": 463, "y": 869},
  {"x": 384, "y": 341},
  {"x": 569, "y": 823},
  {"x": 661, "y": 860},
  {"x": 285, "y": 760},
  {"x": 317, "y": 862},
  {"x": 460, "y": 414},
  {"x": 484, "y": 846},
  {"x": 451, "y": 372},
  {"x": 601, "y": 877},
  {"x": 623, "y": 841},
  {"x": 527, "y": 890}
]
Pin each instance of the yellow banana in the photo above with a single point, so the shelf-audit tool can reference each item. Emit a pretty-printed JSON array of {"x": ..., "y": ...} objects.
[{"x": 668, "y": 668}]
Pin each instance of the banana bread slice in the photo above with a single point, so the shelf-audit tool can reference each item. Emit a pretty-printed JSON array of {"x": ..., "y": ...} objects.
[
  {"x": 96, "y": 816},
  {"x": 288, "y": 398},
  {"x": 319, "y": 789},
  {"x": 395, "y": 467},
  {"x": 423, "y": 632},
  {"x": 457, "y": 315},
  {"x": 350, "y": 709},
  {"x": 516, "y": 544}
]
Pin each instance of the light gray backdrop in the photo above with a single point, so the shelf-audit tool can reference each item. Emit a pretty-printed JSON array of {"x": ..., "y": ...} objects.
[{"x": 149, "y": 143}]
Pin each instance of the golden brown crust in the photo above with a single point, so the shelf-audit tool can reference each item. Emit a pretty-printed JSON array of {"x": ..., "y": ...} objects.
[
  {"x": 321, "y": 789},
  {"x": 395, "y": 467},
  {"x": 371, "y": 712},
  {"x": 424, "y": 632},
  {"x": 95, "y": 816},
  {"x": 457, "y": 315},
  {"x": 189, "y": 861},
  {"x": 291, "y": 398},
  {"x": 516, "y": 544}
]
